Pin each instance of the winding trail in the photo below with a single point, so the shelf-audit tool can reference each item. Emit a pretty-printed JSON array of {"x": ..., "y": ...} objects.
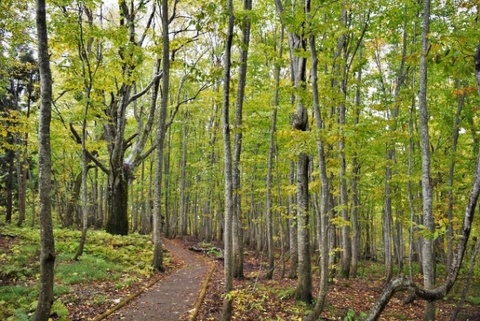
[{"x": 173, "y": 297}]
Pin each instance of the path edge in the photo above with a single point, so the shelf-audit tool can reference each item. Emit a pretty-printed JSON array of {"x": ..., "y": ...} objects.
[
  {"x": 203, "y": 292},
  {"x": 129, "y": 298}
]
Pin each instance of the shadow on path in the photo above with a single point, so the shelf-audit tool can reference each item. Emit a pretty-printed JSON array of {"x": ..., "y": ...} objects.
[{"x": 173, "y": 297}]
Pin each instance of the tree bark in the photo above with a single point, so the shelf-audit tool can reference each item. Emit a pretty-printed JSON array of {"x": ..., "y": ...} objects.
[
  {"x": 160, "y": 140},
  {"x": 228, "y": 173},
  {"x": 451, "y": 171},
  {"x": 271, "y": 152},
  {"x": 428, "y": 262},
  {"x": 183, "y": 178},
  {"x": 324, "y": 190},
  {"x": 297, "y": 43},
  {"x": 47, "y": 242},
  {"x": 237, "y": 145},
  {"x": 292, "y": 225}
]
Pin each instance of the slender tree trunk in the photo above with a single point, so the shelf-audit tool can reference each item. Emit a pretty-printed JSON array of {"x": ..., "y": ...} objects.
[
  {"x": 167, "y": 226},
  {"x": 228, "y": 173},
  {"x": 428, "y": 222},
  {"x": 451, "y": 171},
  {"x": 161, "y": 133},
  {"x": 475, "y": 251},
  {"x": 23, "y": 164},
  {"x": 410, "y": 193},
  {"x": 354, "y": 186},
  {"x": 84, "y": 198},
  {"x": 324, "y": 190},
  {"x": 271, "y": 151},
  {"x": 387, "y": 223},
  {"x": 47, "y": 242},
  {"x": 183, "y": 178},
  {"x": 87, "y": 79},
  {"x": 292, "y": 225},
  {"x": 237, "y": 146},
  {"x": 9, "y": 185}
]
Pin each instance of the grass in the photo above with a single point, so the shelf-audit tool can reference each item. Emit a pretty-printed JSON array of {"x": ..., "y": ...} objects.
[{"x": 117, "y": 260}]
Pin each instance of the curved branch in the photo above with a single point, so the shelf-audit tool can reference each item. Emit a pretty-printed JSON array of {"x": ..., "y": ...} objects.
[
  {"x": 145, "y": 90},
  {"x": 90, "y": 156}
]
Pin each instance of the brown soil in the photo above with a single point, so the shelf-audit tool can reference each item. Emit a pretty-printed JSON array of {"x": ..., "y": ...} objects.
[{"x": 172, "y": 298}]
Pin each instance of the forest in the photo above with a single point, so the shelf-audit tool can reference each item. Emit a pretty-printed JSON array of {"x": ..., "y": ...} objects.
[{"x": 317, "y": 144}]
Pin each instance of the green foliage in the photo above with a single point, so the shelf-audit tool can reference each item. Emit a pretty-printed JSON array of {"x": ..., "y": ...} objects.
[
  {"x": 473, "y": 300},
  {"x": 351, "y": 315},
  {"x": 107, "y": 258}
]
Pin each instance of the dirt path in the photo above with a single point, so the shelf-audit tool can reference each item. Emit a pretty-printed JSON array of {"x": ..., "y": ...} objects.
[{"x": 172, "y": 298}]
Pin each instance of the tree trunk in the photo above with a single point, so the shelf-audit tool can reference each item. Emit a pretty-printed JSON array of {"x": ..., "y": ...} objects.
[
  {"x": 387, "y": 225},
  {"x": 228, "y": 173},
  {"x": 161, "y": 133},
  {"x": 297, "y": 43},
  {"x": 451, "y": 172},
  {"x": 324, "y": 191},
  {"x": 428, "y": 262},
  {"x": 183, "y": 178},
  {"x": 237, "y": 146},
  {"x": 47, "y": 242},
  {"x": 117, "y": 202},
  {"x": 304, "y": 285},
  {"x": 292, "y": 225},
  {"x": 271, "y": 151},
  {"x": 9, "y": 185},
  {"x": 476, "y": 249},
  {"x": 354, "y": 185}
]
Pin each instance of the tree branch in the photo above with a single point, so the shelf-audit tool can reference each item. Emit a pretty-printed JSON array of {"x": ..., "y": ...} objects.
[
  {"x": 78, "y": 140},
  {"x": 145, "y": 90}
]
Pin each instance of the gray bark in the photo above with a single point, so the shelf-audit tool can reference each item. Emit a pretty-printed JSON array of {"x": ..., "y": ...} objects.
[
  {"x": 428, "y": 262},
  {"x": 227, "y": 150},
  {"x": 183, "y": 178},
  {"x": 297, "y": 43},
  {"x": 160, "y": 140},
  {"x": 237, "y": 146},
  {"x": 47, "y": 242},
  {"x": 324, "y": 192},
  {"x": 451, "y": 171},
  {"x": 354, "y": 186},
  {"x": 271, "y": 152},
  {"x": 292, "y": 226}
]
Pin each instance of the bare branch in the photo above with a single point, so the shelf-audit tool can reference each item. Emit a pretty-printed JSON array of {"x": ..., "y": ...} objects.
[
  {"x": 145, "y": 90},
  {"x": 78, "y": 140}
]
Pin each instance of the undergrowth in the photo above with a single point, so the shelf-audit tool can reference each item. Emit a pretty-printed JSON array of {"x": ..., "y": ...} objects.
[{"x": 121, "y": 260}]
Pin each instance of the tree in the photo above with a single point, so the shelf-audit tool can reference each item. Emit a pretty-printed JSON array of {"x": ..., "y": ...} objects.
[
  {"x": 324, "y": 189},
  {"x": 161, "y": 131},
  {"x": 297, "y": 45},
  {"x": 271, "y": 153},
  {"x": 228, "y": 168},
  {"x": 428, "y": 253},
  {"x": 432, "y": 294},
  {"x": 237, "y": 145},
  {"x": 47, "y": 243}
]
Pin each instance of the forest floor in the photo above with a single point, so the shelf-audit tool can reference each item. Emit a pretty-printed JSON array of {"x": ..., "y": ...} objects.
[
  {"x": 257, "y": 298},
  {"x": 174, "y": 294}
]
